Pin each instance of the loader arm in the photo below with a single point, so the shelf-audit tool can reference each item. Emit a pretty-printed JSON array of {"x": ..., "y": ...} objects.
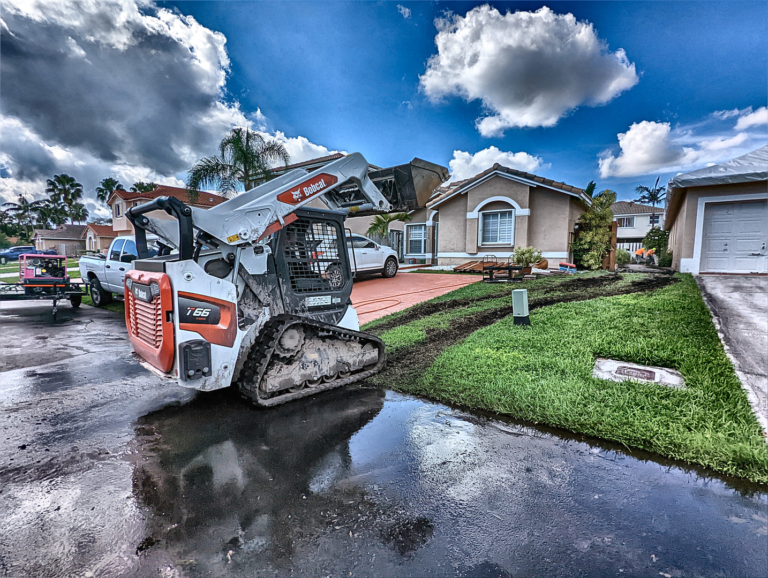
[{"x": 343, "y": 185}]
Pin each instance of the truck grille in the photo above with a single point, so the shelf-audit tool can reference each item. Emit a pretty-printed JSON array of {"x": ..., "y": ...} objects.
[{"x": 146, "y": 320}]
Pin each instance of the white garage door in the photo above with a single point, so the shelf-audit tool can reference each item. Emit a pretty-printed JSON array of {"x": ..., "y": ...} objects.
[{"x": 735, "y": 238}]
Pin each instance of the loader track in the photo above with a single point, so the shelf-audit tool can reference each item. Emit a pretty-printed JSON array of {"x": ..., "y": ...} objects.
[{"x": 260, "y": 357}]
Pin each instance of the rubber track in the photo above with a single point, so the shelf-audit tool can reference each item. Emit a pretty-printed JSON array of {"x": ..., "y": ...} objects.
[{"x": 260, "y": 355}]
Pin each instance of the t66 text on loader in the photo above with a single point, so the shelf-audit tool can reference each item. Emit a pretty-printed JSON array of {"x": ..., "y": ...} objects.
[{"x": 256, "y": 291}]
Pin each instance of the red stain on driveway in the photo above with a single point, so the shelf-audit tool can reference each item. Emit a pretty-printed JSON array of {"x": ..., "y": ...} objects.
[{"x": 377, "y": 297}]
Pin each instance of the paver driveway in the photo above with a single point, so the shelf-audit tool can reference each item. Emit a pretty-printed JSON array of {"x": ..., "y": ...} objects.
[{"x": 377, "y": 296}]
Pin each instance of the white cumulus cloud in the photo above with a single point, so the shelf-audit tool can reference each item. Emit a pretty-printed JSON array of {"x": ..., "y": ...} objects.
[
  {"x": 405, "y": 12},
  {"x": 464, "y": 165},
  {"x": 300, "y": 148},
  {"x": 529, "y": 69},
  {"x": 757, "y": 118}
]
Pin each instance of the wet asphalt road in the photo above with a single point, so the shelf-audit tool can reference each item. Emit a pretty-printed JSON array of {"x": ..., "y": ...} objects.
[{"x": 106, "y": 470}]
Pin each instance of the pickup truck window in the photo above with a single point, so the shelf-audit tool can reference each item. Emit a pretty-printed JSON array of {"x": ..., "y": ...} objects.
[
  {"x": 114, "y": 252},
  {"x": 129, "y": 252}
]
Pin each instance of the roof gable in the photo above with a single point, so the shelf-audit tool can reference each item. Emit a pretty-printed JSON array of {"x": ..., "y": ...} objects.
[{"x": 64, "y": 232}]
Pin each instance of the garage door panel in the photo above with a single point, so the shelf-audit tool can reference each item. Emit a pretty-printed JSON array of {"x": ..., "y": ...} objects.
[{"x": 732, "y": 233}]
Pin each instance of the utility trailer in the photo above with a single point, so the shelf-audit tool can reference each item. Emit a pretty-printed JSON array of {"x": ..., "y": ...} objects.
[{"x": 43, "y": 277}]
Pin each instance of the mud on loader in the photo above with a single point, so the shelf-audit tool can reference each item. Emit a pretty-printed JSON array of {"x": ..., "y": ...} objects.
[{"x": 255, "y": 292}]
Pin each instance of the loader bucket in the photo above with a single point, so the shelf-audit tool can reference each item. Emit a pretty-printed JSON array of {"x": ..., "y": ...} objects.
[{"x": 406, "y": 187}]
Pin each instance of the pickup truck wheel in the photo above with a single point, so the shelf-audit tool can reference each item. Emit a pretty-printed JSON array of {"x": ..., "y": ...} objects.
[
  {"x": 390, "y": 268},
  {"x": 99, "y": 297},
  {"x": 75, "y": 300}
]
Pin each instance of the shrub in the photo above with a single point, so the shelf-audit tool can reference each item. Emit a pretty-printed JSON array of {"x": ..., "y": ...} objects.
[
  {"x": 657, "y": 240},
  {"x": 593, "y": 240},
  {"x": 526, "y": 256},
  {"x": 665, "y": 259},
  {"x": 622, "y": 257}
]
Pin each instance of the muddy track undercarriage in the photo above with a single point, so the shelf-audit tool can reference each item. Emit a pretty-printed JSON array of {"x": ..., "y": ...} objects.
[{"x": 297, "y": 356}]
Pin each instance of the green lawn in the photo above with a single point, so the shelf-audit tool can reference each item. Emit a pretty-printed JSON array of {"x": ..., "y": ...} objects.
[
  {"x": 115, "y": 306},
  {"x": 13, "y": 266},
  {"x": 542, "y": 374}
]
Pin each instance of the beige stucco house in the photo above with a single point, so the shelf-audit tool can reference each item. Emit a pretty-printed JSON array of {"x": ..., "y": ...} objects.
[
  {"x": 65, "y": 240},
  {"x": 717, "y": 217},
  {"x": 120, "y": 201},
  {"x": 98, "y": 237},
  {"x": 491, "y": 214},
  {"x": 633, "y": 222}
]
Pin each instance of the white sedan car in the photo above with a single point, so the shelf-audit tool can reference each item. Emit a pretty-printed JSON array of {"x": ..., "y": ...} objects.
[{"x": 369, "y": 257}]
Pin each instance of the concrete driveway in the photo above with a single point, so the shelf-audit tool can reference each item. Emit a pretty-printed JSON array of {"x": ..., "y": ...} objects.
[
  {"x": 376, "y": 296},
  {"x": 107, "y": 470},
  {"x": 739, "y": 307}
]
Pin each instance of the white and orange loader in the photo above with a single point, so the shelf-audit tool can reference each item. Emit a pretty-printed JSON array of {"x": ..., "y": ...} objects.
[{"x": 256, "y": 291}]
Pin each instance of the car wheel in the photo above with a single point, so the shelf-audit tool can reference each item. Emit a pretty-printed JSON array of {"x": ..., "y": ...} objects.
[
  {"x": 99, "y": 297},
  {"x": 390, "y": 268},
  {"x": 75, "y": 300},
  {"x": 335, "y": 277}
]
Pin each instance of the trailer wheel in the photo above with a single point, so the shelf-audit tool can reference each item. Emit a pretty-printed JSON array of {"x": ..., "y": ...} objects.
[
  {"x": 75, "y": 300},
  {"x": 99, "y": 297}
]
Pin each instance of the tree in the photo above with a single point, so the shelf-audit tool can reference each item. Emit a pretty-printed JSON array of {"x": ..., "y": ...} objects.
[
  {"x": 64, "y": 189},
  {"x": 4, "y": 242},
  {"x": 593, "y": 240},
  {"x": 23, "y": 213},
  {"x": 244, "y": 160},
  {"x": 79, "y": 213},
  {"x": 106, "y": 188},
  {"x": 380, "y": 224},
  {"x": 142, "y": 187},
  {"x": 590, "y": 190},
  {"x": 100, "y": 220},
  {"x": 653, "y": 196},
  {"x": 50, "y": 212}
]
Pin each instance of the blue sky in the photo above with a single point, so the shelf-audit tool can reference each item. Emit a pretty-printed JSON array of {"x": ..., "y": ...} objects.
[
  {"x": 616, "y": 92},
  {"x": 339, "y": 73}
]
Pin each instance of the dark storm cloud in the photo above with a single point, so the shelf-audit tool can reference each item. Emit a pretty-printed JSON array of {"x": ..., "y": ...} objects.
[{"x": 125, "y": 85}]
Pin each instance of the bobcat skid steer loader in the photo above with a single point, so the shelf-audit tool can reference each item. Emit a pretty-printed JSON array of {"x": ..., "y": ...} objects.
[{"x": 255, "y": 292}]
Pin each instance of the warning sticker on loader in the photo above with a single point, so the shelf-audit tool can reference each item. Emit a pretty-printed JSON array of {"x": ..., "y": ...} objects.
[{"x": 307, "y": 189}]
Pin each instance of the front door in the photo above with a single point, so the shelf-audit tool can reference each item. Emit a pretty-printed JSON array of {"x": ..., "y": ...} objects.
[{"x": 735, "y": 238}]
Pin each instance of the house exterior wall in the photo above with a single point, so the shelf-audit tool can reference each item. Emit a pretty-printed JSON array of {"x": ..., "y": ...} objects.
[
  {"x": 550, "y": 222},
  {"x": 94, "y": 242},
  {"x": 641, "y": 228},
  {"x": 682, "y": 234},
  {"x": 548, "y": 226},
  {"x": 72, "y": 246}
]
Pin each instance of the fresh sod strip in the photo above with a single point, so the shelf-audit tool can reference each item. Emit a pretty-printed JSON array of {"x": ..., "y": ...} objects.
[{"x": 543, "y": 374}]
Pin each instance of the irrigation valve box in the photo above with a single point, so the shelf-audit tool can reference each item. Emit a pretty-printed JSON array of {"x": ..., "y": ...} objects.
[{"x": 520, "y": 307}]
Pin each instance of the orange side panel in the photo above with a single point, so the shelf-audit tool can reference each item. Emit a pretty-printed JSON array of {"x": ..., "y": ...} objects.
[
  {"x": 225, "y": 331},
  {"x": 149, "y": 326}
]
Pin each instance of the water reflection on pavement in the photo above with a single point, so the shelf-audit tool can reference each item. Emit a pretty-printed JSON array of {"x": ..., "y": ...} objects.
[{"x": 359, "y": 482}]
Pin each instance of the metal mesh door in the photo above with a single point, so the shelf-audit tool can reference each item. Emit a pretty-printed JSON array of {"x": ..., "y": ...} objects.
[{"x": 311, "y": 253}]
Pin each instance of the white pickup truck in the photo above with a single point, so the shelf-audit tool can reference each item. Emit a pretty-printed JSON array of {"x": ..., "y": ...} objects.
[{"x": 105, "y": 274}]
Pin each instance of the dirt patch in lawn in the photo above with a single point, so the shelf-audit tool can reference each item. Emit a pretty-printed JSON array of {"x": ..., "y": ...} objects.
[
  {"x": 574, "y": 286},
  {"x": 411, "y": 362}
]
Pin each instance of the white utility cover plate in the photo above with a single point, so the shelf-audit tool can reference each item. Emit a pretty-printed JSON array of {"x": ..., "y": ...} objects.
[{"x": 624, "y": 371}]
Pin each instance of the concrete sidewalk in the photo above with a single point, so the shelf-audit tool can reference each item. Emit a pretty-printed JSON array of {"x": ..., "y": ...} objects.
[{"x": 739, "y": 307}]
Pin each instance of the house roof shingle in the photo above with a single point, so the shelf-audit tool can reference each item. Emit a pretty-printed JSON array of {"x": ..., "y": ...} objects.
[
  {"x": 100, "y": 230},
  {"x": 64, "y": 232},
  {"x": 454, "y": 187},
  {"x": 630, "y": 208},
  {"x": 204, "y": 198}
]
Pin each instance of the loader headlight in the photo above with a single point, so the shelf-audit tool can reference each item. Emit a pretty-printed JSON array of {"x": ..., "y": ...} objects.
[
  {"x": 129, "y": 283},
  {"x": 155, "y": 289}
]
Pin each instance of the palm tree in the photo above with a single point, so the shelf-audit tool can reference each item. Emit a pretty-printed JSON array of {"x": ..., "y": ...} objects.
[
  {"x": 24, "y": 213},
  {"x": 654, "y": 195},
  {"x": 50, "y": 212},
  {"x": 142, "y": 187},
  {"x": 380, "y": 224},
  {"x": 106, "y": 188},
  {"x": 590, "y": 190},
  {"x": 245, "y": 160},
  {"x": 79, "y": 213},
  {"x": 64, "y": 189}
]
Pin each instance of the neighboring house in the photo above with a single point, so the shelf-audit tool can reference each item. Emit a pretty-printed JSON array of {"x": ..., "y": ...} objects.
[
  {"x": 491, "y": 214},
  {"x": 98, "y": 237},
  {"x": 634, "y": 221},
  {"x": 717, "y": 217},
  {"x": 120, "y": 201},
  {"x": 65, "y": 240}
]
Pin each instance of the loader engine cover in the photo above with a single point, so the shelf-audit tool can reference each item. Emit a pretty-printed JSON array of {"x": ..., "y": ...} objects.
[{"x": 149, "y": 317}]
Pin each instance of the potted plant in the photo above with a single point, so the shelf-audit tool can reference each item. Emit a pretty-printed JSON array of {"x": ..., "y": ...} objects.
[{"x": 526, "y": 257}]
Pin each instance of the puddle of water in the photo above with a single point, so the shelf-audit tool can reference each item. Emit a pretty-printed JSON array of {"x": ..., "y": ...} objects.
[{"x": 386, "y": 485}]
